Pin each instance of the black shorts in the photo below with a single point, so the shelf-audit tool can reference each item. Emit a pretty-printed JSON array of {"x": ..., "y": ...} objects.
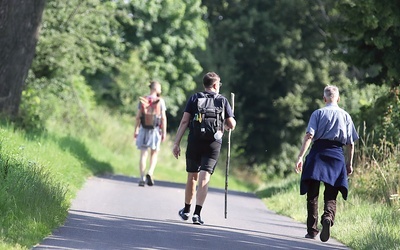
[{"x": 202, "y": 155}]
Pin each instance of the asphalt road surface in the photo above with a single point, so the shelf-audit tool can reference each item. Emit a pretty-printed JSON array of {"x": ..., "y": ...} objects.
[{"x": 113, "y": 212}]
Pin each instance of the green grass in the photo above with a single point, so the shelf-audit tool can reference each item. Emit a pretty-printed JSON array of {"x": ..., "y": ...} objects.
[
  {"x": 40, "y": 173},
  {"x": 359, "y": 224},
  {"x": 33, "y": 198}
]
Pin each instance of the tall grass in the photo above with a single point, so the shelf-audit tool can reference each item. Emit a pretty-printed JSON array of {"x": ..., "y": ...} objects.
[
  {"x": 32, "y": 199},
  {"x": 359, "y": 224},
  {"x": 377, "y": 175},
  {"x": 370, "y": 219}
]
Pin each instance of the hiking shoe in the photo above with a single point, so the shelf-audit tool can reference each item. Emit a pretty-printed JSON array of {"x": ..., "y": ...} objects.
[
  {"x": 326, "y": 230},
  {"x": 310, "y": 236},
  {"x": 184, "y": 216},
  {"x": 197, "y": 220},
  {"x": 149, "y": 180},
  {"x": 141, "y": 183}
]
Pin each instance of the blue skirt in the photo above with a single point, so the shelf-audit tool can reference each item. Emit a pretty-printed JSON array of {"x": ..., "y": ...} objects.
[
  {"x": 325, "y": 163},
  {"x": 148, "y": 138}
]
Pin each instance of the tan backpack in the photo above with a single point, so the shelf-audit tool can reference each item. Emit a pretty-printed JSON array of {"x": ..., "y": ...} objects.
[{"x": 150, "y": 109}]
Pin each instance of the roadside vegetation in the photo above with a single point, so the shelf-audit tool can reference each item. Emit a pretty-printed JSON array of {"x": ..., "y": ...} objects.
[
  {"x": 41, "y": 172},
  {"x": 71, "y": 114},
  {"x": 369, "y": 219}
]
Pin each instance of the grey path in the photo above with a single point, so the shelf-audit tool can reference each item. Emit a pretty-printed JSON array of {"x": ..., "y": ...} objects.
[{"x": 115, "y": 213}]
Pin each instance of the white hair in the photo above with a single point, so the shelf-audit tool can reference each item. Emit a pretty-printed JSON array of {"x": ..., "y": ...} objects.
[{"x": 331, "y": 92}]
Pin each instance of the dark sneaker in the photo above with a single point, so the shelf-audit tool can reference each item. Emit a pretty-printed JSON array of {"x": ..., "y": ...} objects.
[
  {"x": 197, "y": 220},
  {"x": 149, "y": 180},
  {"x": 326, "y": 230},
  {"x": 184, "y": 216},
  {"x": 310, "y": 236},
  {"x": 141, "y": 183}
]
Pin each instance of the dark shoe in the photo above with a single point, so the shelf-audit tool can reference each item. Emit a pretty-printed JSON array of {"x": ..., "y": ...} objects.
[
  {"x": 197, "y": 220},
  {"x": 149, "y": 180},
  {"x": 184, "y": 216},
  {"x": 326, "y": 230},
  {"x": 141, "y": 183},
  {"x": 309, "y": 236}
]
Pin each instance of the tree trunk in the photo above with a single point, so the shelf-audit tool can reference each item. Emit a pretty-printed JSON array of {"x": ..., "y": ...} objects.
[{"x": 19, "y": 31}]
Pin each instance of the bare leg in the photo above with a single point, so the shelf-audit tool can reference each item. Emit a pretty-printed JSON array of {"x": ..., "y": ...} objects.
[
  {"x": 191, "y": 187},
  {"x": 204, "y": 179},
  {"x": 153, "y": 161},
  {"x": 142, "y": 162}
]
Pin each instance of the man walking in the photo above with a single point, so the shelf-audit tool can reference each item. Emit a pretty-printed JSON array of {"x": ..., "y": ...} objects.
[
  {"x": 150, "y": 130},
  {"x": 330, "y": 128},
  {"x": 202, "y": 152}
]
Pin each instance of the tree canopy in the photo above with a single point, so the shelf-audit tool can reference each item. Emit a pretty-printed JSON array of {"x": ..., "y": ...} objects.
[
  {"x": 368, "y": 32},
  {"x": 276, "y": 56},
  {"x": 279, "y": 49}
]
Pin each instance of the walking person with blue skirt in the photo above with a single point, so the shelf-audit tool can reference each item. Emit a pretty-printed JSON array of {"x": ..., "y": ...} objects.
[
  {"x": 329, "y": 129},
  {"x": 150, "y": 136}
]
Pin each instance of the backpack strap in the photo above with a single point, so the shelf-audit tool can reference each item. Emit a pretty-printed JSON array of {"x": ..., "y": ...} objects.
[
  {"x": 221, "y": 118},
  {"x": 157, "y": 104},
  {"x": 205, "y": 94}
]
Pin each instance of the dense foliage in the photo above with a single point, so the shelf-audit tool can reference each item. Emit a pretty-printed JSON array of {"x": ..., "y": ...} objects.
[
  {"x": 275, "y": 55},
  {"x": 368, "y": 32},
  {"x": 107, "y": 52},
  {"x": 161, "y": 37},
  {"x": 279, "y": 49}
]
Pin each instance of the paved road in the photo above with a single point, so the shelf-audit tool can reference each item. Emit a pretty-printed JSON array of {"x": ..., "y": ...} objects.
[{"x": 115, "y": 213}]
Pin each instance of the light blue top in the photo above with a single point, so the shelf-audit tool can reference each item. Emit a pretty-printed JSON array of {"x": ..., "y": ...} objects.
[{"x": 332, "y": 123}]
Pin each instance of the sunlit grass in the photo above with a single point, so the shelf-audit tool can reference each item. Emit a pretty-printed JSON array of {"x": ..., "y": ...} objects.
[
  {"x": 42, "y": 172},
  {"x": 32, "y": 199},
  {"x": 370, "y": 219},
  {"x": 359, "y": 224}
]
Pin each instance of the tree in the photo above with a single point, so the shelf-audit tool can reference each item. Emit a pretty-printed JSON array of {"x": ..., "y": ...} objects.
[
  {"x": 78, "y": 40},
  {"x": 279, "y": 64},
  {"x": 368, "y": 33},
  {"x": 165, "y": 36},
  {"x": 19, "y": 29}
]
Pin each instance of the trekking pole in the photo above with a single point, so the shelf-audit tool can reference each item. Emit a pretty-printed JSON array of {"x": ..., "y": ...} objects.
[{"x": 228, "y": 158}]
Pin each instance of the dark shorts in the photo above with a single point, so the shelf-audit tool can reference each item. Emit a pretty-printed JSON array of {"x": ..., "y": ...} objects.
[{"x": 202, "y": 155}]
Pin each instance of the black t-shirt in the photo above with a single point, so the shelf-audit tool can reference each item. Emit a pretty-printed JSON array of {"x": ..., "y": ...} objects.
[{"x": 191, "y": 107}]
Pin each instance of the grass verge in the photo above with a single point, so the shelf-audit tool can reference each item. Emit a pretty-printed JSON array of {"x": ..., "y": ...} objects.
[
  {"x": 40, "y": 173},
  {"x": 359, "y": 224}
]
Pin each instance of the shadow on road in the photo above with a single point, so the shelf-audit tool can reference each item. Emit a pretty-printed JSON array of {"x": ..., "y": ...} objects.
[
  {"x": 172, "y": 185},
  {"x": 112, "y": 212},
  {"x": 106, "y": 231}
]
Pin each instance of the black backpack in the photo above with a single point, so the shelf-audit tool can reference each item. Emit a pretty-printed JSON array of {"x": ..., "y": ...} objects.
[{"x": 209, "y": 117}]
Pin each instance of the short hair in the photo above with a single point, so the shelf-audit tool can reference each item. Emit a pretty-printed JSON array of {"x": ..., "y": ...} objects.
[
  {"x": 331, "y": 92},
  {"x": 153, "y": 84},
  {"x": 210, "y": 78}
]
